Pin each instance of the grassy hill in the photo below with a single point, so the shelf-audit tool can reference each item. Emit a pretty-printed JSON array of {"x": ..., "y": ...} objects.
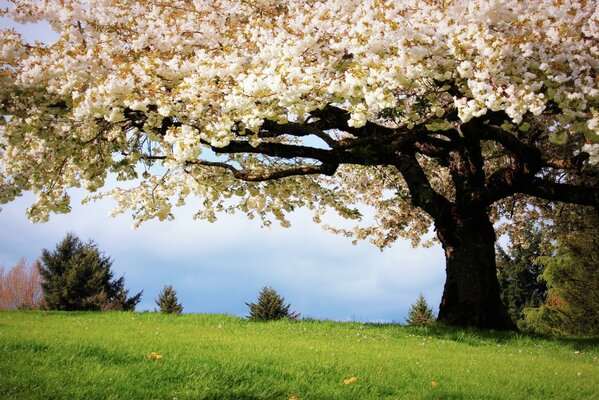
[{"x": 112, "y": 355}]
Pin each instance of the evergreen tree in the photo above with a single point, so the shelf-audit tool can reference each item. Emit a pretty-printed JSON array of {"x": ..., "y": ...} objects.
[
  {"x": 77, "y": 276},
  {"x": 420, "y": 313},
  {"x": 270, "y": 306},
  {"x": 167, "y": 301},
  {"x": 572, "y": 275},
  {"x": 518, "y": 272}
]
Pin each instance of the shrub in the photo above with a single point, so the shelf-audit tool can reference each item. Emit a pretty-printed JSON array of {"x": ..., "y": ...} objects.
[
  {"x": 270, "y": 306},
  {"x": 420, "y": 313},
  {"x": 77, "y": 276},
  {"x": 20, "y": 286},
  {"x": 167, "y": 301}
]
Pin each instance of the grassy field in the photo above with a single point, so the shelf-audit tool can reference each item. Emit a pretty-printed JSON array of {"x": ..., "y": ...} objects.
[{"x": 109, "y": 356}]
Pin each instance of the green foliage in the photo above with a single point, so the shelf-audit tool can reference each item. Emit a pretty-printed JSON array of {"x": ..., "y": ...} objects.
[
  {"x": 167, "y": 301},
  {"x": 572, "y": 276},
  {"x": 270, "y": 306},
  {"x": 518, "y": 272},
  {"x": 76, "y": 276},
  {"x": 420, "y": 313},
  {"x": 572, "y": 305},
  {"x": 99, "y": 356}
]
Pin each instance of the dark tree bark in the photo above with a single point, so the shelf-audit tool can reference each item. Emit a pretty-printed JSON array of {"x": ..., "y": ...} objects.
[{"x": 471, "y": 295}]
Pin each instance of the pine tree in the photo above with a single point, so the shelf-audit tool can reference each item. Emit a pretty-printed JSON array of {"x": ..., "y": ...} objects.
[
  {"x": 270, "y": 306},
  {"x": 167, "y": 301},
  {"x": 518, "y": 272},
  {"x": 420, "y": 313},
  {"x": 77, "y": 276},
  {"x": 571, "y": 273}
]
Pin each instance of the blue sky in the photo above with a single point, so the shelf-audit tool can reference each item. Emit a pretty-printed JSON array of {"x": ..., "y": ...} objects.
[{"x": 216, "y": 268}]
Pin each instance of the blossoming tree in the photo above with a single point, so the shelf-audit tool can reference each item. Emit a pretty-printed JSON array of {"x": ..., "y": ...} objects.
[{"x": 431, "y": 112}]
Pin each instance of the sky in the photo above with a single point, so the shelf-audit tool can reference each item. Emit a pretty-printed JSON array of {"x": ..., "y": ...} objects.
[{"x": 218, "y": 267}]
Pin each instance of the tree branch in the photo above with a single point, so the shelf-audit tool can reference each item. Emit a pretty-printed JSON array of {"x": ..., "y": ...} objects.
[
  {"x": 523, "y": 152},
  {"x": 255, "y": 176},
  {"x": 574, "y": 163},
  {"x": 281, "y": 150},
  {"x": 564, "y": 192},
  {"x": 331, "y": 117},
  {"x": 422, "y": 193},
  {"x": 259, "y": 176},
  {"x": 273, "y": 129}
]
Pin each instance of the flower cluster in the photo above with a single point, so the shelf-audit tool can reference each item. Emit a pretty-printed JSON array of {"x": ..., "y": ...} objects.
[{"x": 94, "y": 102}]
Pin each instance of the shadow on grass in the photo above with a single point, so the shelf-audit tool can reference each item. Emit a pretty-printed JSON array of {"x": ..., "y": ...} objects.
[
  {"x": 582, "y": 343},
  {"x": 477, "y": 337}
]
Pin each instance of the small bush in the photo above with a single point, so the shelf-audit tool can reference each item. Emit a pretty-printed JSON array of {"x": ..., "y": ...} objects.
[
  {"x": 167, "y": 301},
  {"x": 270, "y": 306},
  {"x": 20, "y": 286},
  {"x": 420, "y": 313}
]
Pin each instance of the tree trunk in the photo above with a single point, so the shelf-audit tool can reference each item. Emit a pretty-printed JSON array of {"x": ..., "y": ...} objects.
[{"x": 471, "y": 295}]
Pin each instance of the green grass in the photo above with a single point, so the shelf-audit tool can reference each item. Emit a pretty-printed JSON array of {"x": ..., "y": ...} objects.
[{"x": 52, "y": 355}]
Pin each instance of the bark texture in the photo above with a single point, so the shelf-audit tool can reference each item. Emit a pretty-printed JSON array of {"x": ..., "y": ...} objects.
[{"x": 471, "y": 295}]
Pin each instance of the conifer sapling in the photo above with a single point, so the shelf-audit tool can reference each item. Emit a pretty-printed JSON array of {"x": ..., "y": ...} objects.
[
  {"x": 420, "y": 313},
  {"x": 167, "y": 301},
  {"x": 270, "y": 306}
]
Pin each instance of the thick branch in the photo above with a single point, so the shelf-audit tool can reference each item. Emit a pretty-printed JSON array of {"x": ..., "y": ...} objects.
[
  {"x": 280, "y": 150},
  {"x": 259, "y": 176},
  {"x": 273, "y": 129},
  {"x": 530, "y": 154},
  {"x": 502, "y": 183},
  {"x": 574, "y": 163},
  {"x": 522, "y": 151},
  {"x": 331, "y": 117},
  {"x": 564, "y": 192},
  {"x": 421, "y": 191},
  {"x": 368, "y": 153}
]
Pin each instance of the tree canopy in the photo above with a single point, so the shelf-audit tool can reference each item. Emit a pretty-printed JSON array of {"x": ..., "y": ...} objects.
[{"x": 444, "y": 113}]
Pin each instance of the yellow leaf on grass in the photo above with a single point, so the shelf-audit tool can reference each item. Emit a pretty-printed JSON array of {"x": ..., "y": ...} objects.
[{"x": 154, "y": 356}]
